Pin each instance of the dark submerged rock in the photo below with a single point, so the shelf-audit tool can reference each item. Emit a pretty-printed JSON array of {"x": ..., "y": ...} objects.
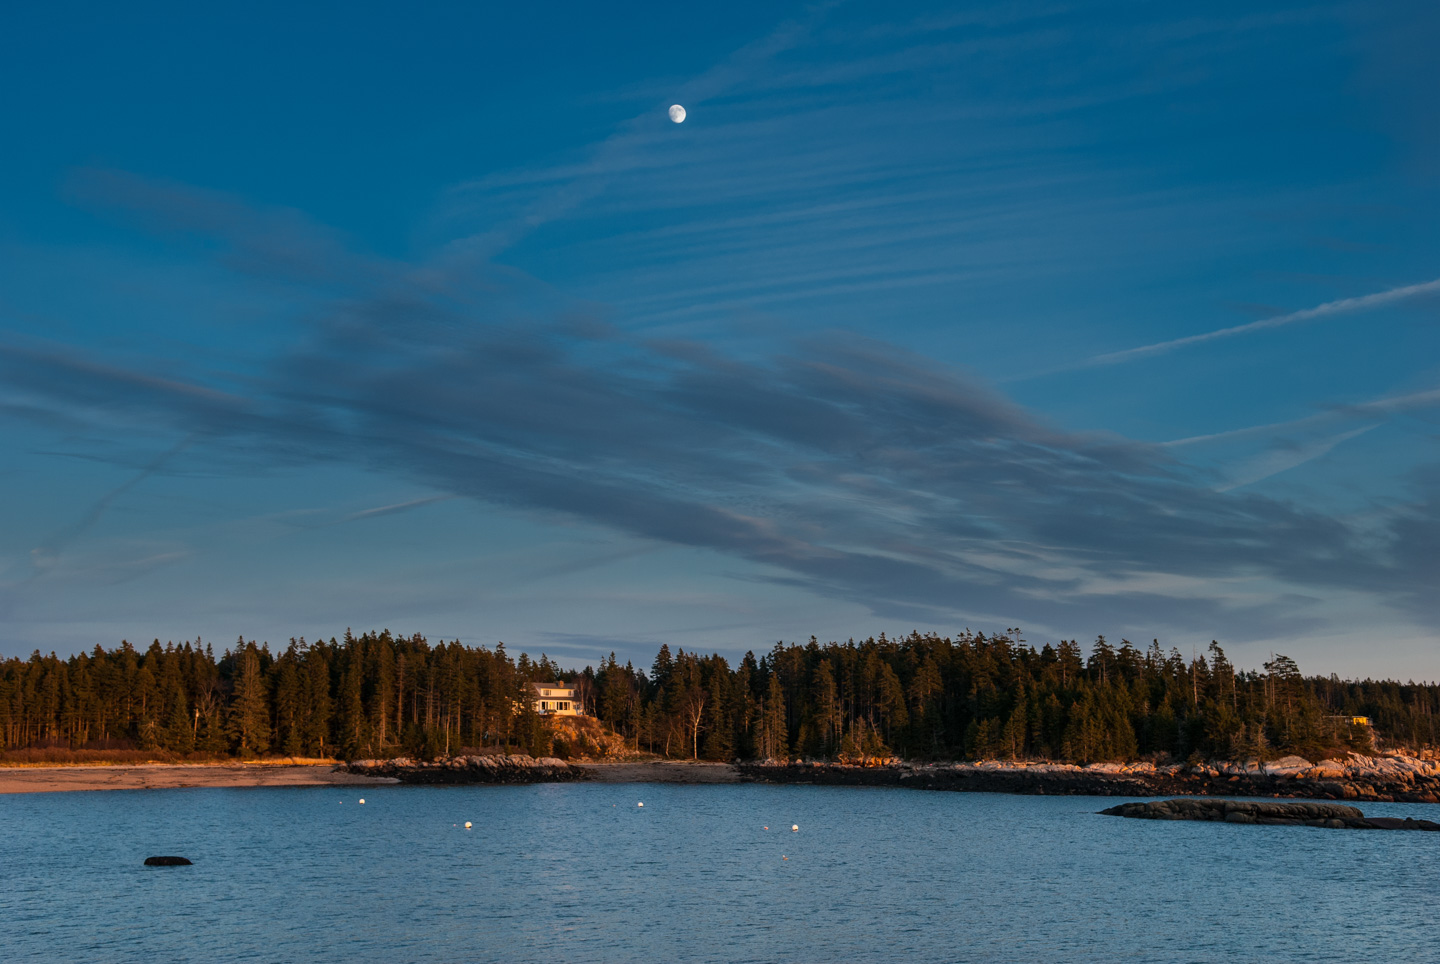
[{"x": 167, "y": 862}]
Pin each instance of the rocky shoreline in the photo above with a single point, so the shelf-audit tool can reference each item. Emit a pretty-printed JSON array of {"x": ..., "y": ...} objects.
[
  {"x": 1393, "y": 778},
  {"x": 1396, "y": 778},
  {"x": 506, "y": 768}
]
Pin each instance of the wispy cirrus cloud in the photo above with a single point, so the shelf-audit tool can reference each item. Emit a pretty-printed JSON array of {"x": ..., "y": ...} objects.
[
  {"x": 835, "y": 463},
  {"x": 825, "y": 172},
  {"x": 945, "y": 198}
]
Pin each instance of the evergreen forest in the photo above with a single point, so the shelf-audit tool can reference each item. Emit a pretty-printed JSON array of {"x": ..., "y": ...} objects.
[{"x": 921, "y": 696}]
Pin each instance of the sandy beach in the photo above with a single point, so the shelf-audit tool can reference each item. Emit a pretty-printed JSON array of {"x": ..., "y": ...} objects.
[{"x": 161, "y": 776}]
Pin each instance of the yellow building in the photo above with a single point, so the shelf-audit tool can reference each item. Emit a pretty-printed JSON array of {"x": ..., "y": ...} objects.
[{"x": 555, "y": 699}]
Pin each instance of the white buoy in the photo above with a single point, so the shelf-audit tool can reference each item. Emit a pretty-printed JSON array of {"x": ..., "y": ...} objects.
[
  {"x": 794, "y": 828},
  {"x": 467, "y": 824},
  {"x": 362, "y": 799},
  {"x": 639, "y": 804}
]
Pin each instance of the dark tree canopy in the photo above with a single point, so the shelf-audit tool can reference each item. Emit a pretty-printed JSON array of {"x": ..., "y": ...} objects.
[{"x": 920, "y": 696}]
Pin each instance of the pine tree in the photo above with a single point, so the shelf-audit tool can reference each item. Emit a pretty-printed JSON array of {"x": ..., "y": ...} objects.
[
  {"x": 774, "y": 742},
  {"x": 828, "y": 720},
  {"x": 288, "y": 698},
  {"x": 250, "y": 710},
  {"x": 179, "y": 736},
  {"x": 719, "y": 735},
  {"x": 352, "y": 706}
]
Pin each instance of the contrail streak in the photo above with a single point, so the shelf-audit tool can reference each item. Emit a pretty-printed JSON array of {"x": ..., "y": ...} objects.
[
  {"x": 397, "y": 507},
  {"x": 1319, "y": 311},
  {"x": 55, "y": 544},
  {"x": 105, "y": 501},
  {"x": 1379, "y": 406},
  {"x": 1273, "y": 463}
]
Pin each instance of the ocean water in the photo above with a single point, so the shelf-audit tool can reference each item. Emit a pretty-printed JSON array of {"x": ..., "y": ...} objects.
[{"x": 579, "y": 873}]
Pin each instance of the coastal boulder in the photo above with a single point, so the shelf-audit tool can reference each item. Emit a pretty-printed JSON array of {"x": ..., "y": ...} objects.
[{"x": 1288, "y": 766}]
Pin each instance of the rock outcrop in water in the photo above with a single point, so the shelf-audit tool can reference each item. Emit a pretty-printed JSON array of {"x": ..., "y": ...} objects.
[
  {"x": 1395, "y": 777},
  {"x": 491, "y": 768},
  {"x": 1336, "y": 816}
]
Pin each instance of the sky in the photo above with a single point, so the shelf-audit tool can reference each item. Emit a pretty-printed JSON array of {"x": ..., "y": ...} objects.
[{"x": 1079, "y": 318}]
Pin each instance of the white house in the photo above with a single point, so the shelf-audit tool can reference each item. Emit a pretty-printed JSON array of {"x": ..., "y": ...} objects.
[{"x": 557, "y": 699}]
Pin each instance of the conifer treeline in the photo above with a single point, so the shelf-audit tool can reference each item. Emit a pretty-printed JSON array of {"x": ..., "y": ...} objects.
[{"x": 920, "y": 696}]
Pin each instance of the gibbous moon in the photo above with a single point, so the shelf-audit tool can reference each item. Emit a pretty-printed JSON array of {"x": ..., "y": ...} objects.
[{"x": 677, "y": 113}]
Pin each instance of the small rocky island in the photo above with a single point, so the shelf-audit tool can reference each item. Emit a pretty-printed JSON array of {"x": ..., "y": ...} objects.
[{"x": 1334, "y": 816}]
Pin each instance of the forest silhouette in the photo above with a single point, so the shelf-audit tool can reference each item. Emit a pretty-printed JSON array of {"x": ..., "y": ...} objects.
[{"x": 920, "y": 696}]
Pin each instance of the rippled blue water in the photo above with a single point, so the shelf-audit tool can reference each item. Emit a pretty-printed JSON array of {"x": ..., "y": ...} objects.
[{"x": 579, "y": 873}]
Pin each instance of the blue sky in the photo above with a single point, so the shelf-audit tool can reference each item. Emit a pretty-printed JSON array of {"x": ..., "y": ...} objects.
[{"x": 1085, "y": 318}]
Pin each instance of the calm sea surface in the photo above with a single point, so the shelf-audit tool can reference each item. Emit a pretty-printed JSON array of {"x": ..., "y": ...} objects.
[{"x": 580, "y": 873}]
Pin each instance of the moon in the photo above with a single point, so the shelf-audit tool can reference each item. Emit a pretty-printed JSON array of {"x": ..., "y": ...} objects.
[{"x": 677, "y": 113}]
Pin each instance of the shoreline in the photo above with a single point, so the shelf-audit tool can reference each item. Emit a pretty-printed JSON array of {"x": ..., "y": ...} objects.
[
  {"x": 1034, "y": 781},
  {"x": 662, "y": 771},
  {"x": 175, "y": 776},
  {"x": 1394, "y": 778},
  {"x": 1378, "y": 779}
]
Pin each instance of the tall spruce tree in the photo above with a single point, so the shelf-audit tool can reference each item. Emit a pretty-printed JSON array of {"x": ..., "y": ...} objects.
[{"x": 250, "y": 709}]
